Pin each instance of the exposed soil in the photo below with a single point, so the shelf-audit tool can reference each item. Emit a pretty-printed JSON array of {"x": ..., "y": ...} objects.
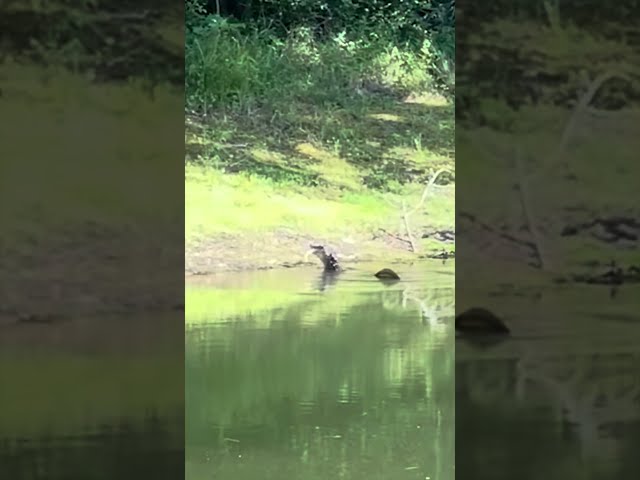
[{"x": 286, "y": 249}]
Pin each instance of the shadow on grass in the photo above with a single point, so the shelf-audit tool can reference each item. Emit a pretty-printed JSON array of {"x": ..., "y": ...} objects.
[{"x": 375, "y": 141}]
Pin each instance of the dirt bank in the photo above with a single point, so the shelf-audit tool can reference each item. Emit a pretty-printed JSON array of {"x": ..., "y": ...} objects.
[{"x": 286, "y": 249}]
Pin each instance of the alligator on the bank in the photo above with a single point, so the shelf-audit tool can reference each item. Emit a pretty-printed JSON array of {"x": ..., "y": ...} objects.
[
  {"x": 329, "y": 259},
  {"x": 327, "y": 256}
]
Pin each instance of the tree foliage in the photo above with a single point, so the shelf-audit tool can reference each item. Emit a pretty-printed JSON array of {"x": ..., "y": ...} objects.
[{"x": 409, "y": 19}]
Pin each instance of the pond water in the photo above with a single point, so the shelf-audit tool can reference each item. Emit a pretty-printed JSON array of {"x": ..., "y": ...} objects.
[
  {"x": 561, "y": 397},
  {"x": 92, "y": 399},
  {"x": 293, "y": 375}
]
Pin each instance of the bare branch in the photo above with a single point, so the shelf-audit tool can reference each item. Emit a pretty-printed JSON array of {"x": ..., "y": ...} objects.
[
  {"x": 405, "y": 218},
  {"x": 572, "y": 124},
  {"x": 527, "y": 209}
]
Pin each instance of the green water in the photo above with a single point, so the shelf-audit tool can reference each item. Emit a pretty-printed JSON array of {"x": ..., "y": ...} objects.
[
  {"x": 558, "y": 399},
  {"x": 92, "y": 399},
  {"x": 292, "y": 376}
]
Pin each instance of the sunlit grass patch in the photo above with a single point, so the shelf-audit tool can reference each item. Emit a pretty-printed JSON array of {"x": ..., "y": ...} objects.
[
  {"x": 387, "y": 117},
  {"x": 335, "y": 170},
  {"x": 428, "y": 98},
  {"x": 218, "y": 203}
]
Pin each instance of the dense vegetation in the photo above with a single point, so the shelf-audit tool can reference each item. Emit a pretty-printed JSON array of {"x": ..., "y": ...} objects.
[{"x": 277, "y": 50}]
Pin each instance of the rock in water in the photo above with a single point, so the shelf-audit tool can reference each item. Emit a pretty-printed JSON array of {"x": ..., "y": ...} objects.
[
  {"x": 387, "y": 274},
  {"x": 479, "y": 321}
]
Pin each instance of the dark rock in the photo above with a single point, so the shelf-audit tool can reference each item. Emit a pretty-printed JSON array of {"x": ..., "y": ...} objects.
[
  {"x": 480, "y": 321},
  {"x": 387, "y": 274}
]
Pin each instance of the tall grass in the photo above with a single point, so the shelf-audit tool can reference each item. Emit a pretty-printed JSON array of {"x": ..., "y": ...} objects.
[{"x": 246, "y": 66}]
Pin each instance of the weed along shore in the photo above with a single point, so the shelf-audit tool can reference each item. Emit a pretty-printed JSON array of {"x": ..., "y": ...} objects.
[{"x": 307, "y": 138}]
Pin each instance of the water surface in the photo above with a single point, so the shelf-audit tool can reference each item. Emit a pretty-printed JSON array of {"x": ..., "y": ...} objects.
[
  {"x": 293, "y": 375},
  {"x": 92, "y": 399},
  {"x": 561, "y": 397}
]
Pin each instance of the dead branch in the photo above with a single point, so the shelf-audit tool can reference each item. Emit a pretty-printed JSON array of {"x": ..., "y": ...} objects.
[
  {"x": 573, "y": 122},
  {"x": 406, "y": 214},
  {"x": 427, "y": 188},
  {"x": 496, "y": 232},
  {"x": 527, "y": 209},
  {"x": 405, "y": 218},
  {"x": 392, "y": 235}
]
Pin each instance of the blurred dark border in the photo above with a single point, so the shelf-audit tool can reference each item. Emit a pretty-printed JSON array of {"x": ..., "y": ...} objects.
[
  {"x": 92, "y": 239},
  {"x": 547, "y": 123}
]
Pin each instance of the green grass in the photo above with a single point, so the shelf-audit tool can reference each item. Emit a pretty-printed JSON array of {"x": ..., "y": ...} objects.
[
  {"x": 218, "y": 203},
  {"x": 336, "y": 172},
  {"x": 248, "y": 66}
]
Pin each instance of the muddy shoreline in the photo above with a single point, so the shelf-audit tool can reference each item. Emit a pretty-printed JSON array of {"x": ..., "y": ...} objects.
[
  {"x": 94, "y": 270},
  {"x": 286, "y": 249}
]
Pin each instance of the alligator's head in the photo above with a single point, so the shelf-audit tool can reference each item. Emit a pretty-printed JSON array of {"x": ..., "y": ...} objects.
[{"x": 329, "y": 260}]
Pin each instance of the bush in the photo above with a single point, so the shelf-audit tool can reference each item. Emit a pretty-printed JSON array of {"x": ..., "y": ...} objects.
[{"x": 317, "y": 50}]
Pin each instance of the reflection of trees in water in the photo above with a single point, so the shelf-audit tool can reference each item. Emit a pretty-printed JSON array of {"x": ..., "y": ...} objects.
[
  {"x": 592, "y": 394},
  {"x": 433, "y": 305},
  {"x": 587, "y": 397},
  {"x": 365, "y": 351},
  {"x": 346, "y": 380}
]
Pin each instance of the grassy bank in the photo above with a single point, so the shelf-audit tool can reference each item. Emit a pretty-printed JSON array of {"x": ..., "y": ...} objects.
[{"x": 312, "y": 139}]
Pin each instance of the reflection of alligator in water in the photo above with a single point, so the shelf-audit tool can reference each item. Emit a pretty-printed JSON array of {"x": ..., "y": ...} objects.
[{"x": 326, "y": 280}]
